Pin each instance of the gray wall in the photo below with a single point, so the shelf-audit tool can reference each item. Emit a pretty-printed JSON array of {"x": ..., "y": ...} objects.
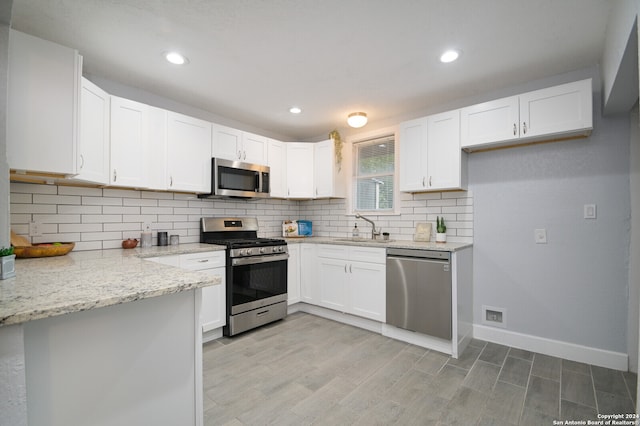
[{"x": 574, "y": 288}]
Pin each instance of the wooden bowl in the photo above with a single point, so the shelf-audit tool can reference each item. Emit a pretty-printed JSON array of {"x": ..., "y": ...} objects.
[
  {"x": 43, "y": 250},
  {"x": 129, "y": 243}
]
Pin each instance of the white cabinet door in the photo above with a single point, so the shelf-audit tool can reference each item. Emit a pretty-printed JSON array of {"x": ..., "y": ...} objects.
[
  {"x": 277, "y": 166},
  {"x": 293, "y": 274},
  {"x": 226, "y": 143},
  {"x": 309, "y": 282},
  {"x": 323, "y": 169},
  {"x": 367, "y": 290},
  {"x": 93, "y": 144},
  {"x": 188, "y": 153},
  {"x": 490, "y": 122},
  {"x": 413, "y": 155},
  {"x": 129, "y": 128},
  {"x": 156, "y": 154},
  {"x": 43, "y": 96},
  {"x": 443, "y": 151},
  {"x": 213, "y": 313},
  {"x": 254, "y": 148},
  {"x": 556, "y": 110},
  {"x": 332, "y": 276},
  {"x": 299, "y": 170}
]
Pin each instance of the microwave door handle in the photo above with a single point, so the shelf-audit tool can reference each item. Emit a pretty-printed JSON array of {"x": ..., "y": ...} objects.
[{"x": 258, "y": 182}]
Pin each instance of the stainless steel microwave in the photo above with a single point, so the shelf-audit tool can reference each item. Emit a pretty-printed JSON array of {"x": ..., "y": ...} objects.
[{"x": 237, "y": 179}]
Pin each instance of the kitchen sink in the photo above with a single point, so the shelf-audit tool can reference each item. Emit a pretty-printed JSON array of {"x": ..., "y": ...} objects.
[{"x": 362, "y": 240}]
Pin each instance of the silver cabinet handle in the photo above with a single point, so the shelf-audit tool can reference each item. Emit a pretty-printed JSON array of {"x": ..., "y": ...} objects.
[
  {"x": 515, "y": 129},
  {"x": 350, "y": 270},
  {"x": 170, "y": 180},
  {"x": 244, "y": 157},
  {"x": 430, "y": 180},
  {"x": 524, "y": 127},
  {"x": 115, "y": 175},
  {"x": 345, "y": 268},
  {"x": 81, "y": 161},
  {"x": 316, "y": 191},
  {"x": 203, "y": 260},
  {"x": 239, "y": 155},
  {"x": 423, "y": 178}
]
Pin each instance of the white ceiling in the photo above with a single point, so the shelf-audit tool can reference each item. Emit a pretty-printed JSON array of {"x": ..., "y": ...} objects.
[{"x": 250, "y": 60}]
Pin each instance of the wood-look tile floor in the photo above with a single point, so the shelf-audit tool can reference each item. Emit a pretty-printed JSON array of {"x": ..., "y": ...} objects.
[{"x": 308, "y": 370}]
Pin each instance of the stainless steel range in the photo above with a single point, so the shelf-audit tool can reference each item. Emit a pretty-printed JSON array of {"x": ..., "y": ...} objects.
[{"x": 256, "y": 286}]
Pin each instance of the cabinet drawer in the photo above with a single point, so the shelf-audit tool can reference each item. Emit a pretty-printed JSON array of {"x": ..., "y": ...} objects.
[
  {"x": 333, "y": 251},
  {"x": 368, "y": 254},
  {"x": 200, "y": 261}
]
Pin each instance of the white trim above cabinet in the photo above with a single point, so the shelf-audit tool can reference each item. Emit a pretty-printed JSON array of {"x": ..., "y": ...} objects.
[{"x": 560, "y": 112}]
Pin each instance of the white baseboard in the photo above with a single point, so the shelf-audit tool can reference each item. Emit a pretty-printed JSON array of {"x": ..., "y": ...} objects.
[
  {"x": 364, "y": 323},
  {"x": 570, "y": 351}
]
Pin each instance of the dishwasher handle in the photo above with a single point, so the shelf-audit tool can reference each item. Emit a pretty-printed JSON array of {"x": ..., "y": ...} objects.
[{"x": 430, "y": 255}]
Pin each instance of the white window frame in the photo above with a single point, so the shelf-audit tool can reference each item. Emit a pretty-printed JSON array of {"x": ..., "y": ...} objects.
[{"x": 364, "y": 137}]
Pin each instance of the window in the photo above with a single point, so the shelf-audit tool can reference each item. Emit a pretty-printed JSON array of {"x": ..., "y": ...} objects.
[{"x": 374, "y": 169}]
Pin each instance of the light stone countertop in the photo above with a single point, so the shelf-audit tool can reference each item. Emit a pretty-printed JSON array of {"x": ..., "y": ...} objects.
[
  {"x": 363, "y": 242},
  {"x": 85, "y": 280}
]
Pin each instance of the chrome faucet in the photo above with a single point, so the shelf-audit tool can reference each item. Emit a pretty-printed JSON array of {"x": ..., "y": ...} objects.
[{"x": 374, "y": 232}]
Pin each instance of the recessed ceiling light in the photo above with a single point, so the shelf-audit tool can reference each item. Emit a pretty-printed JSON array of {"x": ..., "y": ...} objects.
[
  {"x": 449, "y": 56},
  {"x": 295, "y": 110},
  {"x": 175, "y": 58}
]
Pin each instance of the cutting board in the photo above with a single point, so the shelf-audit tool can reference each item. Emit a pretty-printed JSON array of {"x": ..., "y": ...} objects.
[{"x": 18, "y": 240}]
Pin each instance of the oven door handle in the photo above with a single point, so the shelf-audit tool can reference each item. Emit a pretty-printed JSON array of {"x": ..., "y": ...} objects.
[{"x": 258, "y": 259}]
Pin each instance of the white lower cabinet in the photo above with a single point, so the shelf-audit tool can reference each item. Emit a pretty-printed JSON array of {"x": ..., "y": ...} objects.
[
  {"x": 352, "y": 280},
  {"x": 293, "y": 274},
  {"x": 213, "y": 311},
  {"x": 309, "y": 291}
]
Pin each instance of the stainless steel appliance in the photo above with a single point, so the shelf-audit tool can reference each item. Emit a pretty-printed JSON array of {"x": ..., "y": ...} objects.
[
  {"x": 256, "y": 285},
  {"x": 419, "y": 291},
  {"x": 238, "y": 179}
]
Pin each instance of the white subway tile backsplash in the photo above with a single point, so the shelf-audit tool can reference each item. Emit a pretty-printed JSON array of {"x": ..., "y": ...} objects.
[{"x": 101, "y": 218}]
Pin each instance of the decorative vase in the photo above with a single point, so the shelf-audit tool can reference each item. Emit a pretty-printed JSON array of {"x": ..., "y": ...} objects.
[
  {"x": 7, "y": 266},
  {"x": 441, "y": 237}
]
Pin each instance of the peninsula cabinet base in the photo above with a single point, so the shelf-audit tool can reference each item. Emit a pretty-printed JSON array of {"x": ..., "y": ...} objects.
[{"x": 136, "y": 363}]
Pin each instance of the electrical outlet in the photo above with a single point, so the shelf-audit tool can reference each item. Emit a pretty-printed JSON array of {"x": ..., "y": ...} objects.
[
  {"x": 590, "y": 211},
  {"x": 496, "y": 317},
  {"x": 540, "y": 236},
  {"x": 34, "y": 229}
]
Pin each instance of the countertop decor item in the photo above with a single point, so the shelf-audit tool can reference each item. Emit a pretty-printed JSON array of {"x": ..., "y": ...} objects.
[
  {"x": 423, "y": 232},
  {"x": 44, "y": 250},
  {"x": 7, "y": 263},
  {"x": 129, "y": 243},
  {"x": 441, "y": 230}
]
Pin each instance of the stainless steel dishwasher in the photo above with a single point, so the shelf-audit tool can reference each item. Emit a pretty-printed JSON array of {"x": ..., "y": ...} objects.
[{"x": 419, "y": 291}]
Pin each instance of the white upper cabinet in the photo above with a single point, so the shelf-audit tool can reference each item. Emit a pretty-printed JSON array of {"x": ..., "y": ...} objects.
[
  {"x": 300, "y": 170},
  {"x": 413, "y": 155},
  {"x": 43, "y": 103},
  {"x": 188, "y": 153},
  {"x": 562, "y": 111},
  {"x": 490, "y": 122},
  {"x": 236, "y": 145},
  {"x": 557, "y": 110},
  {"x": 445, "y": 159},
  {"x": 329, "y": 176},
  {"x": 430, "y": 155},
  {"x": 129, "y": 136},
  {"x": 277, "y": 154},
  {"x": 93, "y": 144},
  {"x": 254, "y": 148}
]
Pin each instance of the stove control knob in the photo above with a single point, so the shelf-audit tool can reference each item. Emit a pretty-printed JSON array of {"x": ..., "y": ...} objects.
[
  {"x": 249, "y": 251},
  {"x": 280, "y": 249},
  {"x": 262, "y": 250},
  {"x": 242, "y": 252}
]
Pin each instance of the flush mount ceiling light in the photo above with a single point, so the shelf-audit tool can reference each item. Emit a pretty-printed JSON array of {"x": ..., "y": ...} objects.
[
  {"x": 295, "y": 110},
  {"x": 449, "y": 56},
  {"x": 357, "y": 119},
  {"x": 175, "y": 58}
]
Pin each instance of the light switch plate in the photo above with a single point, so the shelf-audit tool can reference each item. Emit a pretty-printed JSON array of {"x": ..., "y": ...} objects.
[
  {"x": 540, "y": 236},
  {"x": 590, "y": 211}
]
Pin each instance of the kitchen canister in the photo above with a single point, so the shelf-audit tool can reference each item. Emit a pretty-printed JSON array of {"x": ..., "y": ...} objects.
[
  {"x": 146, "y": 239},
  {"x": 174, "y": 240},
  {"x": 163, "y": 239}
]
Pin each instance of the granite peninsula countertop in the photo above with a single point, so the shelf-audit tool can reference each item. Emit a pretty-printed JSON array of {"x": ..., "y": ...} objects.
[
  {"x": 363, "y": 242},
  {"x": 85, "y": 280}
]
